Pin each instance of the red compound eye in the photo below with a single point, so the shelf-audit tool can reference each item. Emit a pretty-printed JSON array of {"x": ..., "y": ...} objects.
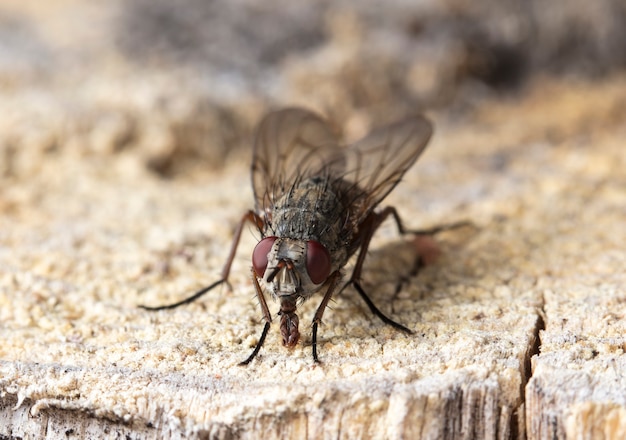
[
  {"x": 259, "y": 255},
  {"x": 317, "y": 262}
]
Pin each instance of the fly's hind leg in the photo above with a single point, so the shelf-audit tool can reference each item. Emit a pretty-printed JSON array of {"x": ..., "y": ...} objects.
[
  {"x": 249, "y": 216},
  {"x": 390, "y": 210},
  {"x": 370, "y": 225},
  {"x": 426, "y": 246}
]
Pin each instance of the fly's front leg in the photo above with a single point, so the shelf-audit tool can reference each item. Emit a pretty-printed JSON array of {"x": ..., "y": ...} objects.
[
  {"x": 317, "y": 318},
  {"x": 266, "y": 315},
  {"x": 250, "y": 216}
]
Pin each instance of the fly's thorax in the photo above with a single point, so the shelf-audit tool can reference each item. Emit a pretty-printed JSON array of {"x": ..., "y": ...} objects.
[{"x": 311, "y": 210}]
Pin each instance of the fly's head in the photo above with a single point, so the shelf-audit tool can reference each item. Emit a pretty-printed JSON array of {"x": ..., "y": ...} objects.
[{"x": 291, "y": 268}]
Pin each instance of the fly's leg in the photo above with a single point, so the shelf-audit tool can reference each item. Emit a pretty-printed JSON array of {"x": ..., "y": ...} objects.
[
  {"x": 250, "y": 216},
  {"x": 266, "y": 315},
  {"x": 317, "y": 318},
  {"x": 424, "y": 258},
  {"x": 370, "y": 225},
  {"x": 390, "y": 210}
]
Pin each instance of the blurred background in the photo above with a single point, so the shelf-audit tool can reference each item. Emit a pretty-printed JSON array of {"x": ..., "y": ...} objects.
[{"x": 181, "y": 85}]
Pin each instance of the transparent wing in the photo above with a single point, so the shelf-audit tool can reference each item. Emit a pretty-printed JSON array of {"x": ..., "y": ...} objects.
[
  {"x": 294, "y": 144},
  {"x": 291, "y": 145},
  {"x": 375, "y": 164}
]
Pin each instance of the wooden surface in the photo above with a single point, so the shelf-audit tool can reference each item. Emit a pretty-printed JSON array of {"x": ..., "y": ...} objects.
[
  {"x": 82, "y": 251},
  {"x": 126, "y": 191}
]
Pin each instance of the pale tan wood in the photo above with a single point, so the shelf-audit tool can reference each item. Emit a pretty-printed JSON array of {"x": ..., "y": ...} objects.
[
  {"x": 77, "y": 352},
  {"x": 88, "y": 232}
]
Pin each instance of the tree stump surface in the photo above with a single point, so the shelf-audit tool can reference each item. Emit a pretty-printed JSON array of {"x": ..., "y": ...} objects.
[{"x": 105, "y": 205}]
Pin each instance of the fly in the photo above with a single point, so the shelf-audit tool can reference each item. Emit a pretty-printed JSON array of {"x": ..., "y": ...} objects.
[{"x": 315, "y": 208}]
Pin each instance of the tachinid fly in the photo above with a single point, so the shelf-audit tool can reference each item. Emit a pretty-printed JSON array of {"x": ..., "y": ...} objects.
[{"x": 315, "y": 208}]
